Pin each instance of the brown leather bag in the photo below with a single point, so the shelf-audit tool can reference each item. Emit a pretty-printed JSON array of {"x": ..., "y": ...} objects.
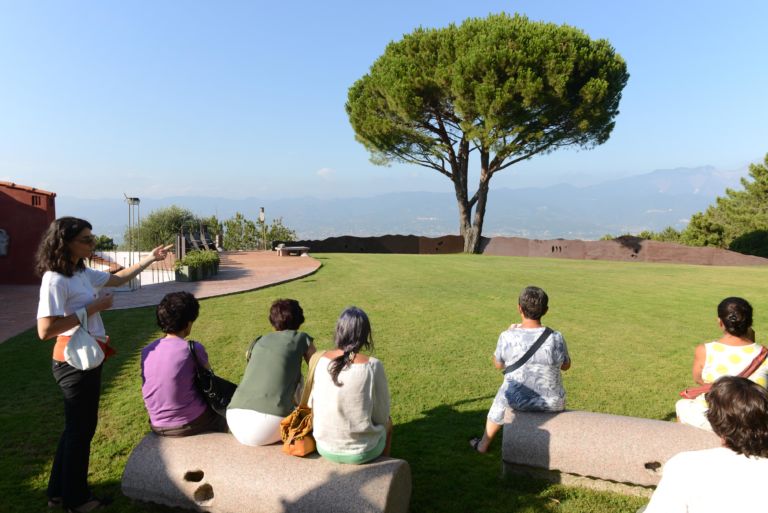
[
  {"x": 296, "y": 428},
  {"x": 694, "y": 392}
]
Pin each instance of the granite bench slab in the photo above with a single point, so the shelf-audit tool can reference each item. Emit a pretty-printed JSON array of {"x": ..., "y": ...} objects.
[
  {"x": 292, "y": 251},
  {"x": 213, "y": 472},
  {"x": 597, "y": 450}
]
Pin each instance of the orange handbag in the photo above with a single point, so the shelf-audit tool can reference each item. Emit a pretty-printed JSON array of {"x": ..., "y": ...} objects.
[{"x": 296, "y": 428}]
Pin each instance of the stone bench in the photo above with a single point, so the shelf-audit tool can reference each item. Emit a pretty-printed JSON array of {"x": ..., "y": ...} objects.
[
  {"x": 213, "y": 472},
  {"x": 292, "y": 251},
  {"x": 596, "y": 450}
]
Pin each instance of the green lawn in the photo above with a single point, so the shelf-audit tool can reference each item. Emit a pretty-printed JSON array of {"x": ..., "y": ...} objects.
[{"x": 630, "y": 327}]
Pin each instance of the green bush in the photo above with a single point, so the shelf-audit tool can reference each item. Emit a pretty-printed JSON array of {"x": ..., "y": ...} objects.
[{"x": 198, "y": 260}]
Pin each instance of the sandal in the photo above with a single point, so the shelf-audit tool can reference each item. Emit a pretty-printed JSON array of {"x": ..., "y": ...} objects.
[
  {"x": 91, "y": 504},
  {"x": 55, "y": 502},
  {"x": 475, "y": 444}
]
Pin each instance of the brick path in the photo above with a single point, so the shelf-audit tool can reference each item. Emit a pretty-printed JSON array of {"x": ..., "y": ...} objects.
[{"x": 238, "y": 272}]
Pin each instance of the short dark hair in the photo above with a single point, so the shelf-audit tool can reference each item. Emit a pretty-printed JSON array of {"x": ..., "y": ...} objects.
[
  {"x": 736, "y": 314},
  {"x": 176, "y": 310},
  {"x": 738, "y": 413},
  {"x": 53, "y": 253},
  {"x": 533, "y": 302},
  {"x": 286, "y": 314}
]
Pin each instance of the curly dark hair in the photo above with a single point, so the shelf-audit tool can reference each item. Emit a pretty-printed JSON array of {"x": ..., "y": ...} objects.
[
  {"x": 738, "y": 413},
  {"x": 53, "y": 252},
  {"x": 286, "y": 314},
  {"x": 176, "y": 310},
  {"x": 353, "y": 333},
  {"x": 533, "y": 302},
  {"x": 736, "y": 314}
]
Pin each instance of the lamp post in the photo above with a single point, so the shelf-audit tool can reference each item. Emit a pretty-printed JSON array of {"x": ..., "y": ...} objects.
[
  {"x": 263, "y": 227},
  {"x": 134, "y": 234}
]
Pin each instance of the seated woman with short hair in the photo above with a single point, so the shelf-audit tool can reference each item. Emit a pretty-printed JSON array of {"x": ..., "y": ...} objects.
[
  {"x": 272, "y": 374},
  {"x": 728, "y": 478},
  {"x": 175, "y": 405}
]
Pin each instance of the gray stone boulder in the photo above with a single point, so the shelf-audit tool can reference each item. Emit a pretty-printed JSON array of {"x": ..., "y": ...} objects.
[
  {"x": 213, "y": 472},
  {"x": 596, "y": 450}
]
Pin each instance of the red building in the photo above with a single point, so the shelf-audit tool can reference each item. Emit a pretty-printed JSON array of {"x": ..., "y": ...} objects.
[{"x": 25, "y": 213}]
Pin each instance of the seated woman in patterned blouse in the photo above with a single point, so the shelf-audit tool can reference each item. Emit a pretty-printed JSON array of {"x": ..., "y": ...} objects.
[
  {"x": 728, "y": 356},
  {"x": 537, "y": 384}
]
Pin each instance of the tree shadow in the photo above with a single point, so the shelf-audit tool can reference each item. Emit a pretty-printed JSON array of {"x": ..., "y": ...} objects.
[{"x": 448, "y": 475}]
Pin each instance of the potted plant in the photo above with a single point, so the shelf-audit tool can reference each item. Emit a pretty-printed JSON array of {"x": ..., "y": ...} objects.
[{"x": 197, "y": 265}]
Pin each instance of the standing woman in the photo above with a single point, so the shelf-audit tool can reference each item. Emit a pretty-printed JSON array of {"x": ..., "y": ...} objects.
[{"x": 68, "y": 287}]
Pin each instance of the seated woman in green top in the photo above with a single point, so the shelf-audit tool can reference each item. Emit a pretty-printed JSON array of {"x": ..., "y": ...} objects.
[{"x": 272, "y": 375}]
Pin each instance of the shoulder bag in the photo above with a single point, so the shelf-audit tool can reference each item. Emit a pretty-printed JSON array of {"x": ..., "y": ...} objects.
[
  {"x": 83, "y": 351},
  {"x": 535, "y": 347},
  {"x": 216, "y": 390},
  {"x": 296, "y": 428},
  {"x": 694, "y": 392}
]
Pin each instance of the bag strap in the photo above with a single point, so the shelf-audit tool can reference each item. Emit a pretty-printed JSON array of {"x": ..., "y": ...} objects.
[
  {"x": 310, "y": 378},
  {"x": 82, "y": 317},
  {"x": 536, "y": 345},
  {"x": 194, "y": 355},
  {"x": 756, "y": 362},
  {"x": 250, "y": 348}
]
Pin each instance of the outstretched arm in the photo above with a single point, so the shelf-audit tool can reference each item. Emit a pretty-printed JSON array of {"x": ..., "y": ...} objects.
[{"x": 124, "y": 276}]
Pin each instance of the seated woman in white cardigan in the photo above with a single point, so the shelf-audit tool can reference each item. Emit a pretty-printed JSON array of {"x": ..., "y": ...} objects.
[{"x": 350, "y": 396}]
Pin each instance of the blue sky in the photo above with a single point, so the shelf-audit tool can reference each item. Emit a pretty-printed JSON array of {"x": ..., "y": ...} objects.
[{"x": 240, "y": 99}]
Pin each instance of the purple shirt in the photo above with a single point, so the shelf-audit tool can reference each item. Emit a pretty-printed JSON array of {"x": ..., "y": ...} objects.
[{"x": 168, "y": 386}]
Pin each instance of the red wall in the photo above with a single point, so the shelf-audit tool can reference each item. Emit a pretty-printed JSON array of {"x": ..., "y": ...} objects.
[{"x": 25, "y": 224}]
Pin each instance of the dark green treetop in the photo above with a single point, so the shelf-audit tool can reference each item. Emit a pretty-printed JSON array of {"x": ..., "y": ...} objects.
[
  {"x": 503, "y": 87},
  {"x": 735, "y": 215}
]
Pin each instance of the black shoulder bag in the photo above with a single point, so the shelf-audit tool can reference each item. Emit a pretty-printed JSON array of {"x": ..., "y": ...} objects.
[
  {"x": 217, "y": 391},
  {"x": 535, "y": 347}
]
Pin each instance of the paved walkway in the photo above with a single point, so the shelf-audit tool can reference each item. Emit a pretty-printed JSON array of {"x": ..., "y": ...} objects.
[{"x": 238, "y": 272}]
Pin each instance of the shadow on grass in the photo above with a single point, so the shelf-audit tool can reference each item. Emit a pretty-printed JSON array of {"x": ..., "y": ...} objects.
[
  {"x": 448, "y": 475},
  {"x": 32, "y": 411}
]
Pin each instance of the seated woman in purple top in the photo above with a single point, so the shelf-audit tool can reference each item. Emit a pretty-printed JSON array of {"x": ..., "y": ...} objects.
[{"x": 175, "y": 406}]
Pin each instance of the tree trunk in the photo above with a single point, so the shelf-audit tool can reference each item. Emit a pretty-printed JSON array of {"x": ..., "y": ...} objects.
[{"x": 471, "y": 226}]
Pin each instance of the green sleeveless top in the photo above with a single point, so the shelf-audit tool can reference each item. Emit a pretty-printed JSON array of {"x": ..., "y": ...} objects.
[{"x": 272, "y": 373}]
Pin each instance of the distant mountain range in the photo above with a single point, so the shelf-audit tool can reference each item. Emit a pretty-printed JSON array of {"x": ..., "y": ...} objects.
[{"x": 650, "y": 201}]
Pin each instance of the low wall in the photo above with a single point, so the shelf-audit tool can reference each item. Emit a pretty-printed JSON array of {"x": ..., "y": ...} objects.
[
  {"x": 624, "y": 249},
  {"x": 405, "y": 244}
]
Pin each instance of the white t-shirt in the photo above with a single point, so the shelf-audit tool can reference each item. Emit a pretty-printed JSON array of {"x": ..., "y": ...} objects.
[
  {"x": 711, "y": 481},
  {"x": 62, "y": 295}
]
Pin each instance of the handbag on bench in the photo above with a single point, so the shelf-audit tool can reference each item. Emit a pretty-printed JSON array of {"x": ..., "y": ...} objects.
[{"x": 296, "y": 428}]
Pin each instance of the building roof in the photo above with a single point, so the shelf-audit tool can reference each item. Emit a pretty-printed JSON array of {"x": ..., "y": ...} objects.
[{"x": 35, "y": 190}]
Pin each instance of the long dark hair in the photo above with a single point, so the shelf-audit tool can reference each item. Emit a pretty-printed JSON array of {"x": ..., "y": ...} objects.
[
  {"x": 736, "y": 314},
  {"x": 353, "y": 333},
  {"x": 53, "y": 253}
]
